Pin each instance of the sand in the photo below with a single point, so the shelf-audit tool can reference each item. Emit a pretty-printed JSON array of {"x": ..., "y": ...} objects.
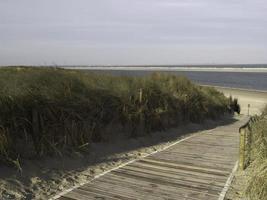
[
  {"x": 256, "y": 99},
  {"x": 45, "y": 178}
]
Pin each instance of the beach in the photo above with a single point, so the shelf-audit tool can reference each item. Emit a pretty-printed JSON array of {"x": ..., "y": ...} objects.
[{"x": 254, "y": 98}]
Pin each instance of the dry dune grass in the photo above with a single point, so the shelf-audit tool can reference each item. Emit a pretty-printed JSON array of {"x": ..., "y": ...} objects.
[
  {"x": 257, "y": 187},
  {"x": 45, "y": 111}
]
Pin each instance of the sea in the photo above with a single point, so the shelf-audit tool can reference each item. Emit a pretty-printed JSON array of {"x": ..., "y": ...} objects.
[{"x": 253, "y": 77}]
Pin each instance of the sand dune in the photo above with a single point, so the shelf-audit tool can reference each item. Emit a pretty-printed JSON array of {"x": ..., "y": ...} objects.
[{"x": 45, "y": 178}]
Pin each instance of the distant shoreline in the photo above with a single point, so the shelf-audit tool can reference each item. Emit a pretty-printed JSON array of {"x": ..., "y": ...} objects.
[
  {"x": 236, "y": 89},
  {"x": 250, "y": 68},
  {"x": 173, "y": 68}
]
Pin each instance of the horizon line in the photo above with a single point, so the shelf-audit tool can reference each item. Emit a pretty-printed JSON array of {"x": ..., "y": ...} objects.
[{"x": 133, "y": 65}]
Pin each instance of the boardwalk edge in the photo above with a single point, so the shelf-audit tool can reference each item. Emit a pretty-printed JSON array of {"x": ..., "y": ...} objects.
[{"x": 228, "y": 182}]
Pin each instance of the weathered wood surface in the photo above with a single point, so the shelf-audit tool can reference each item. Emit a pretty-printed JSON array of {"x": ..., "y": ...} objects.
[{"x": 194, "y": 169}]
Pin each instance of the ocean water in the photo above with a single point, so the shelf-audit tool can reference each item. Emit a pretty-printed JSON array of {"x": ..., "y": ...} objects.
[{"x": 244, "y": 80}]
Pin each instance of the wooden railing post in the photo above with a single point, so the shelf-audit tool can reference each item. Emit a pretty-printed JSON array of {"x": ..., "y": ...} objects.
[
  {"x": 249, "y": 143},
  {"x": 140, "y": 95},
  {"x": 242, "y": 149}
]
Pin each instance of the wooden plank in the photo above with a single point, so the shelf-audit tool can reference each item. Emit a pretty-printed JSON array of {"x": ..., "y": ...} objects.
[
  {"x": 105, "y": 187},
  {"x": 129, "y": 190},
  {"x": 181, "y": 166},
  {"x": 205, "y": 149},
  {"x": 205, "y": 155},
  {"x": 176, "y": 175},
  {"x": 77, "y": 196},
  {"x": 168, "y": 181},
  {"x": 148, "y": 189},
  {"x": 184, "y": 173},
  {"x": 98, "y": 193},
  {"x": 198, "y": 162}
]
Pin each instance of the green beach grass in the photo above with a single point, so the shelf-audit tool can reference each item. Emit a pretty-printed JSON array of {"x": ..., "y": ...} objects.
[
  {"x": 46, "y": 111},
  {"x": 257, "y": 183}
]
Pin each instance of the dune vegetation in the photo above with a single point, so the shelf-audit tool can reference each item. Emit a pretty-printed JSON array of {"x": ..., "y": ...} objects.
[
  {"x": 257, "y": 172},
  {"x": 46, "y": 111}
]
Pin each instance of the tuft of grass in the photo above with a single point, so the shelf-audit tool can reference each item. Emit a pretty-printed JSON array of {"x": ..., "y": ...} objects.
[
  {"x": 234, "y": 105},
  {"x": 45, "y": 111},
  {"x": 257, "y": 186}
]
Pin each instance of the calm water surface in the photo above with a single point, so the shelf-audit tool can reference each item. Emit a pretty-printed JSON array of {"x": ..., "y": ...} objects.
[{"x": 246, "y": 80}]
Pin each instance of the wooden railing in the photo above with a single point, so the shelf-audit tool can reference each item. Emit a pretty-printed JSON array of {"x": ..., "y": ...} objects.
[{"x": 245, "y": 143}]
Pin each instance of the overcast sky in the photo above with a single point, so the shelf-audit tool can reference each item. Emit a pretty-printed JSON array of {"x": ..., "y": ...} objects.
[{"x": 118, "y": 32}]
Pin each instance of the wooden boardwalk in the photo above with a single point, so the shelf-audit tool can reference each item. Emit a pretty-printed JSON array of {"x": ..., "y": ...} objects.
[{"x": 196, "y": 168}]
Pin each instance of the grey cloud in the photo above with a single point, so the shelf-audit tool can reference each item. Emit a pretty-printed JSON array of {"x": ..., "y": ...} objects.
[{"x": 121, "y": 31}]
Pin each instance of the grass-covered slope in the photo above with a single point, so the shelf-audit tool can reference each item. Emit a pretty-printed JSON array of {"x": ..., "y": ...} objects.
[
  {"x": 257, "y": 187},
  {"x": 48, "y": 110}
]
